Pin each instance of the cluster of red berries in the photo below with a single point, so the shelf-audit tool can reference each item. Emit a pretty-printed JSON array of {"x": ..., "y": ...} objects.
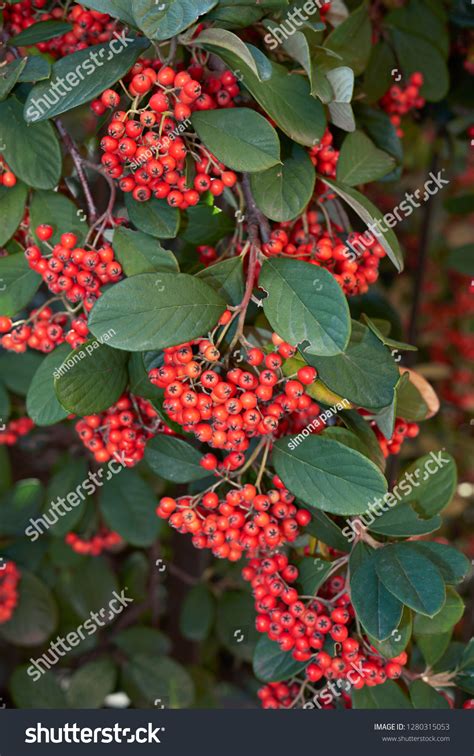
[
  {"x": 402, "y": 430},
  {"x": 207, "y": 254},
  {"x": 89, "y": 27},
  {"x": 278, "y": 695},
  {"x": 77, "y": 273},
  {"x": 354, "y": 263},
  {"x": 9, "y": 577},
  {"x": 303, "y": 625},
  {"x": 14, "y": 430},
  {"x": 398, "y": 101},
  {"x": 94, "y": 546},
  {"x": 225, "y": 408},
  {"x": 44, "y": 331},
  {"x": 122, "y": 431},
  {"x": 243, "y": 522},
  {"x": 7, "y": 177},
  {"x": 144, "y": 147},
  {"x": 324, "y": 157}
]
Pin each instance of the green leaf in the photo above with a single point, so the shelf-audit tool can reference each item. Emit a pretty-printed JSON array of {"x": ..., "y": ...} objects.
[
  {"x": 89, "y": 686},
  {"x": 154, "y": 217},
  {"x": 386, "y": 339},
  {"x": 116, "y": 8},
  {"x": 402, "y": 522},
  {"x": 128, "y": 505},
  {"x": 283, "y": 97},
  {"x": 442, "y": 622},
  {"x": 370, "y": 215},
  {"x": 383, "y": 133},
  {"x": 174, "y": 459},
  {"x": 346, "y": 437},
  {"x": 32, "y": 151},
  {"x": 328, "y": 475},
  {"x": 18, "y": 283},
  {"x": 12, "y": 210},
  {"x": 225, "y": 40},
  {"x": 35, "y": 617},
  {"x": 461, "y": 260},
  {"x": 325, "y": 530},
  {"x": 424, "y": 696},
  {"x": 156, "y": 311},
  {"x": 36, "y": 69},
  {"x": 305, "y": 304},
  {"x": 433, "y": 646},
  {"x": 226, "y": 278},
  {"x": 9, "y": 76},
  {"x": 41, "y": 402},
  {"x": 417, "y": 17},
  {"x": 140, "y": 253},
  {"x": 31, "y": 692},
  {"x": 365, "y": 373},
  {"x": 17, "y": 370},
  {"x": 283, "y": 192},
  {"x": 92, "y": 378},
  {"x": 271, "y": 664},
  {"x": 102, "y": 61},
  {"x": 206, "y": 224},
  {"x": 239, "y": 137},
  {"x": 360, "y": 161},
  {"x": 235, "y": 627},
  {"x": 364, "y": 432},
  {"x": 352, "y": 39},
  {"x": 430, "y": 491},
  {"x": 90, "y": 588},
  {"x": 64, "y": 486},
  {"x": 197, "y": 613},
  {"x": 149, "y": 680},
  {"x": 378, "y": 77},
  {"x": 58, "y": 211},
  {"x": 418, "y": 54},
  {"x": 312, "y": 574},
  {"x": 166, "y": 20},
  {"x": 398, "y": 639},
  {"x": 150, "y": 641},
  {"x": 409, "y": 402},
  {"x": 386, "y": 696},
  {"x": 18, "y": 505},
  {"x": 452, "y": 565},
  {"x": 411, "y": 577},
  {"x": 377, "y": 609},
  {"x": 41, "y": 31}
]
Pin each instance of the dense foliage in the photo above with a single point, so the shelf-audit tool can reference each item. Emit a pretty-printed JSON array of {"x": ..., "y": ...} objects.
[{"x": 214, "y": 368}]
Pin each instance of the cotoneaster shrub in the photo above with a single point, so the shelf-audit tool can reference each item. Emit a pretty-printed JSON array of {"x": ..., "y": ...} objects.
[{"x": 199, "y": 350}]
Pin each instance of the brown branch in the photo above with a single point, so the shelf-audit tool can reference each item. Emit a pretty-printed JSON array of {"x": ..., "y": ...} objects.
[{"x": 79, "y": 164}]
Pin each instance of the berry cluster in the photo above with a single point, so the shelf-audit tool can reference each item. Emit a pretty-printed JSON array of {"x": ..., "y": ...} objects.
[
  {"x": 122, "y": 431},
  {"x": 354, "y": 263},
  {"x": 9, "y": 577},
  {"x": 398, "y": 101},
  {"x": 89, "y": 27},
  {"x": 77, "y": 273},
  {"x": 147, "y": 147},
  {"x": 44, "y": 331},
  {"x": 7, "y": 177},
  {"x": 14, "y": 430},
  {"x": 402, "y": 430},
  {"x": 94, "y": 546},
  {"x": 305, "y": 625},
  {"x": 324, "y": 157},
  {"x": 243, "y": 521},
  {"x": 226, "y": 408}
]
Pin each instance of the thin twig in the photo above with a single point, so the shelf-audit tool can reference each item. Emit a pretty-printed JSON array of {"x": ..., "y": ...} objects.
[{"x": 79, "y": 163}]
